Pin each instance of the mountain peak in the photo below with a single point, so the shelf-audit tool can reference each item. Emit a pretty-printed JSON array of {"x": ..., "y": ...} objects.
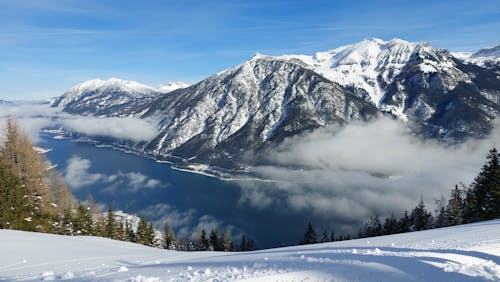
[{"x": 112, "y": 83}]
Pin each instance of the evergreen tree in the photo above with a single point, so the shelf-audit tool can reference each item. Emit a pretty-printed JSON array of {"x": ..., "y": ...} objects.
[
  {"x": 131, "y": 236},
  {"x": 309, "y": 236},
  {"x": 486, "y": 189},
  {"x": 110, "y": 223},
  {"x": 169, "y": 238},
  {"x": 83, "y": 222},
  {"x": 470, "y": 212},
  {"x": 455, "y": 207},
  {"x": 151, "y": 236},
  {"x": 324, "y": 237},
  {"x": 332, "y": 236},
  {"x": 243, "y": 244},
  {"x": 227, "y": 241},
  {"x": 215, "y": 244},
  {"x": 441, "y": 218},
  {"x": 142, "y": 230},
  {"x": 202, "y": 241},
  {"x": 405, "y": 223},
  {"x": 390, "y": 225},
  {"x": 422, "y": 219},
  {"x": 250, "y": 245}
]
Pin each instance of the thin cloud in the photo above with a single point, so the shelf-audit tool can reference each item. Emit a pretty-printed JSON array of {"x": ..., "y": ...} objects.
[
  {"x": 185, "y": 223},
  {"x": 78, "y": 174}
]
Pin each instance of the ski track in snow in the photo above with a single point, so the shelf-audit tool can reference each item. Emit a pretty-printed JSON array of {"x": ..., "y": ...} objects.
[{"x": 461, "y": 253}]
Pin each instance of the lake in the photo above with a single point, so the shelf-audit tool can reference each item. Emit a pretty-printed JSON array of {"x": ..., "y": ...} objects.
[{"x": 189, "y": 201}]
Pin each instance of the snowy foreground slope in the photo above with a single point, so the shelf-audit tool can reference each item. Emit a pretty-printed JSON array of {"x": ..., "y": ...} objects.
[{"x": 465, "y": 253}]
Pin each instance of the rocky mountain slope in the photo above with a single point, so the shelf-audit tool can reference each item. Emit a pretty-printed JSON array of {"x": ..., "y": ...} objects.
[
  {"x": 237, "y": 112},
  {"x": 110, "y": 97}
]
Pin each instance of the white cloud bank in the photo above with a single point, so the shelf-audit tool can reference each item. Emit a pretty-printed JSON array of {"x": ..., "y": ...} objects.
[
  {"x": 34, "y": 117},
  {"x": 133, "y": 129},
  {"x": 362, "y": 169}
]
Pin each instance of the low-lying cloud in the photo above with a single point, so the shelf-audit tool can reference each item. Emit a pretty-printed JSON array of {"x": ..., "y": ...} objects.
[
  {"x": 78, "y": 174},
  {"x": 348, "y": 174},
  {"x": 121, "y": 128},
  {"x": 186, "y": 223},
  {"x": 35, "y": 117}
]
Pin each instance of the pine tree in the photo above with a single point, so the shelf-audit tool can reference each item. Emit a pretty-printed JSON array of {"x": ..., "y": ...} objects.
[
  {"x": 332, "y": 236},
  {"x": 250, "y": 245},
  {"x": 169, "y": 238},
  {"x": 110, "y": 223},
  {"x": 243, "y": 247},
  {"x": 202, "y": 241},
  {"x": 309, "y": 236},
  {"x": 373, "y": 227},
  {"x": 151, "y": 236},
  {"x": 404, "y": 223},
  {"x": 324, "y": 237},
  {"x": 422, "y": 219},
  {"x": 486, "y": 189},
  {"x": 215, "y": 244},
  {"x": 441, "y": 218},
  {"x": 83, "y": 222},
  {"x": 131, "y": 236},
  {"x": 390, "y": 225},
  {"x": 455, "y": 207},
  {"x": 142, "y": 229},
  {"x": 227, "y": 241}
]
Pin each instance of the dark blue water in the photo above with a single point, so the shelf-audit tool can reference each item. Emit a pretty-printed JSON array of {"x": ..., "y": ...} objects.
[{"x": 189, "y": 201}]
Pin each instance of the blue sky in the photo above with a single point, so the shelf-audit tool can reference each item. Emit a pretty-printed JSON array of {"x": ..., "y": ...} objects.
[{"x": 48, "y": 46}]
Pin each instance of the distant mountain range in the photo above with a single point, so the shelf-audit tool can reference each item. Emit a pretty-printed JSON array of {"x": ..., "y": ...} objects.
[{"x": 218, "y": 121}]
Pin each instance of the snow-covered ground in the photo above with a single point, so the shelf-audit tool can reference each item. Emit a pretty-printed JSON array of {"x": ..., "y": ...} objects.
[{"x": 465, "y": 253}]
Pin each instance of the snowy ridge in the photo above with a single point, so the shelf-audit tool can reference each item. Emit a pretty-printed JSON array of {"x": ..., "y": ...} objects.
[
  {"x": 133, "y": 88},
  {"x": 461, "y": 253},
  {"x": 481, "y": 57},
  {"x": 369, "y": 65},
  {"x": 104, "y": 97}
]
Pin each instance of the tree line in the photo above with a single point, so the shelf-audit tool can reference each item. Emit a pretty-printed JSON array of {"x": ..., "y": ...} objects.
[
  {"x": 478, "y": 202},
  {"x": 214, "y": 241},
  {"x": 35, "y": 197}
]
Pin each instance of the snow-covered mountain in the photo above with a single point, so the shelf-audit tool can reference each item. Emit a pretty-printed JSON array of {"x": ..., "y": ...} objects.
[
  {"x": 260, "y": 101},
  {"x": 484, "y": 57},
  {"x": 104, "y": 97},
  {"x": 369, "y": 65},
  {"x": 236, "y": 112},
  {"x": 461, "y": 253}
]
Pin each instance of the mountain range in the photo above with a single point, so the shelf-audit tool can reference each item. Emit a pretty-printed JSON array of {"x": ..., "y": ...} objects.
[{"x": 229, "y": 116}]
